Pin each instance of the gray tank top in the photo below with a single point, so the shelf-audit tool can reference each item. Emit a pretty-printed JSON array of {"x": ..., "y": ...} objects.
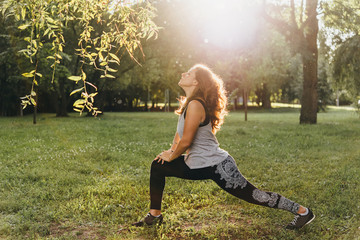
[{"x": 204, "y": 150}]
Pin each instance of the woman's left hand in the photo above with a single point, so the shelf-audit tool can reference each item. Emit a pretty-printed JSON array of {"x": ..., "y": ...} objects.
[{"x": 164, "y": 156}]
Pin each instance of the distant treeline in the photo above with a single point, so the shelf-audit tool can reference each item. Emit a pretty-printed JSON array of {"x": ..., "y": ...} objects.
[{"x": 264, "y": 66}]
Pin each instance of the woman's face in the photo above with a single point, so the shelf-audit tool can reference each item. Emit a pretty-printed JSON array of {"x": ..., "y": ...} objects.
[{"x": 188, "y": 79}]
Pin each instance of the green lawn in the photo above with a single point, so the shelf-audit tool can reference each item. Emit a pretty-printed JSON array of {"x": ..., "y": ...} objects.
[{"x": 87, "y": 178}]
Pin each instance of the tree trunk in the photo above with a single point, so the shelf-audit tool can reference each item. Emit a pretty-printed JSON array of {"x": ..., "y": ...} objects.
[
  {"x": 2, "y": 92},
  {"x": 245, "y": 97},
  {"x": 266, "y": 103},
  {"x": 304, "y": 41},
  {"x": 129, "y": 101},
  {"x": 258, "y": 93},
  {"x": 35, "y": 109},
  {"x": 62, "y": 100},
  {"x": 136, "y": 103},
  {"x": 146, "y": 102},
  {"x": 310, "y": 59}
]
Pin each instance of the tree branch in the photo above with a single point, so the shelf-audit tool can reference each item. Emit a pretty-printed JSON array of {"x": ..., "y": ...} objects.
[
  {"x": 292, "y": 18},
  {"x": 302, "y": 11},
  {"x": 310, "y": 16},
  {"x": 282, "y": 26}
]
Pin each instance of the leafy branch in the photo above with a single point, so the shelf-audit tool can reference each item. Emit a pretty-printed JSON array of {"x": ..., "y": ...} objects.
[{"x": 123, "y": 26}]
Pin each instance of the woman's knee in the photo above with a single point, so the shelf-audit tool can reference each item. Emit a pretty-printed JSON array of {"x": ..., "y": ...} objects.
[{"x": 156, "y": 166}]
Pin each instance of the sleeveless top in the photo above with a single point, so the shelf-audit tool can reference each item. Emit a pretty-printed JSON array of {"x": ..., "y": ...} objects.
[{"x": 204, "y": 150}]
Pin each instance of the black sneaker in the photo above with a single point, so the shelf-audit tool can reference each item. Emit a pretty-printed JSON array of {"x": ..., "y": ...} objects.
[
  {"x": 149, "y": 220},
  {"x": 300, "y": 221}
]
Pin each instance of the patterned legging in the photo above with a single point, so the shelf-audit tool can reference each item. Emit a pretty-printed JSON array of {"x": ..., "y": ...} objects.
[{"x": 225, "y": 174}]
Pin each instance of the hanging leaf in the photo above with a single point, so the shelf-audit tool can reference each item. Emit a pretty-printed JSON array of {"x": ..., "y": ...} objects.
[
  {"x": 58, "y": 55},
  {"x": 79, "y": 103},
  {"x": 23, "y": 13},
  {"x": 111, "y": 70},
  {"x": 46, "y": 31},
  {"x": 150, "y": 35},
  {"x": 83, "y": 75},
  {"x": 109, "y": 76},
  {"x": 28, "y": 75},
  {"x": 114, "y": 57},
  {"x": 34, "y": 43},
  {"x": 77, "y": 90},
  {"x": 74, "y": 78},
  {"x": 101, "y": 56},
  {"x": 23, "y": 27},
  {"x": 33, "y": 101}
]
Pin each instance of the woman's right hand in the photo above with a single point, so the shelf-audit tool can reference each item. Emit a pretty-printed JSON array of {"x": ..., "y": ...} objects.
[{"x": 159, "y": 158}]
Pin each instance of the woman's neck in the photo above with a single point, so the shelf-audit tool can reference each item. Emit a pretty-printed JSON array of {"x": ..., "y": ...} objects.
[{"x": 189, "y": 91}]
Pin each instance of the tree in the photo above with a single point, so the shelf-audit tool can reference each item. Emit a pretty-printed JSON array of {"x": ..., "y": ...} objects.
[
  {"x": 12, "y": 85},
  {"x": 346, "y": 66},
  {"x": 325, "y": 92},
  {"x": 270, "y": 70},
  {"x": 123, "y": 25},
  {"x": 302, "y": 33},
  {"x": 172, "y": 53},
  {"x": 342, "y": 21},
  {"x": 291, "y": 89}
]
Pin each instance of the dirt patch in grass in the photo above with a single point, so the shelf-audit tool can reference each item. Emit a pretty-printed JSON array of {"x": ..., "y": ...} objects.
[{"x": 79, "y": 231}]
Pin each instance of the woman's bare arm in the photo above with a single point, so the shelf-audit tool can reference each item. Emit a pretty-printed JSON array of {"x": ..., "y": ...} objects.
[
  {"x": 195, "y": 114},
  {"x": 175, "y": 142}
]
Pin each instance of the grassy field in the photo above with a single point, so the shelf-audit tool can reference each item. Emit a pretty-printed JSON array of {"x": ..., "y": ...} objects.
[{"x": 87, "y": 178}]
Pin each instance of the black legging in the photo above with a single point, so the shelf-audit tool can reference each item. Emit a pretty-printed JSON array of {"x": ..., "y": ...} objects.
[{"x": 225, "y": 174}]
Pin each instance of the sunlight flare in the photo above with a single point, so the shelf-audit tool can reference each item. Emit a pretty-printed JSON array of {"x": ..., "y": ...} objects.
[{"x": 228, "y": 24}]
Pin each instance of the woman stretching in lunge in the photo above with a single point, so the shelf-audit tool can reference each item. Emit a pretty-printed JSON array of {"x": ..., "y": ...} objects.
[{"x": 201, "y": 115}]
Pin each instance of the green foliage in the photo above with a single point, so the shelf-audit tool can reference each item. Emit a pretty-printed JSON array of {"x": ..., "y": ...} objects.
[
  {"x": 123, "y": 25},
  {"x": 342, "y": 21},
  {"x": 346, "y": 67},
  {"x": 342, "y": 15},
  {"x": 324, "y": 88},
  {"x": 59, "y": 184}
]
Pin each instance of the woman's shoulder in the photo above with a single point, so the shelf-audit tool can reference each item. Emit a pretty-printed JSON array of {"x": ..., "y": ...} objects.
[
  {"x": 197, "y": 104},
  {"x": 197, "y": 107}
]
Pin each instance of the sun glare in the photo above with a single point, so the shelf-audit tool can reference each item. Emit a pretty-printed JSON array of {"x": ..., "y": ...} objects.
[{"x": 228, "y": 23}]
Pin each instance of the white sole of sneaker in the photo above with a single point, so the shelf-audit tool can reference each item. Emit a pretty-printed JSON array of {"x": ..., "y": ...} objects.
[{"x": 310, "y": 220}]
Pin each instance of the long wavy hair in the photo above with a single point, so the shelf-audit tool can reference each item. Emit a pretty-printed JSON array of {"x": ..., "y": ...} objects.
[{"x": 211, "y": 90}]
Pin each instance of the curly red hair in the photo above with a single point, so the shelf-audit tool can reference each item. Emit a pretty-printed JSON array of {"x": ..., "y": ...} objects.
[{"x": 211, "y": 90}]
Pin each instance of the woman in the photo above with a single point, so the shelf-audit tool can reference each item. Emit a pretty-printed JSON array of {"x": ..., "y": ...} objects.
[{"x": 202, "y": 113}]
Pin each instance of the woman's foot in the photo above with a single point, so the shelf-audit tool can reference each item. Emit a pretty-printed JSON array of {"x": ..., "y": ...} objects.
[
  {"x": 149, "y": 220},
  {"x": 301, "y": 220}
]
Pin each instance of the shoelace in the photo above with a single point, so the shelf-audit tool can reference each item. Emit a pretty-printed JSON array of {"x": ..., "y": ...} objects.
[{"x": 294, "y": 221}]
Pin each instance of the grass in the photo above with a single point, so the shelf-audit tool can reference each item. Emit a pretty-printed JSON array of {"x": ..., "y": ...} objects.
[{"x": 86, "y": 178}]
